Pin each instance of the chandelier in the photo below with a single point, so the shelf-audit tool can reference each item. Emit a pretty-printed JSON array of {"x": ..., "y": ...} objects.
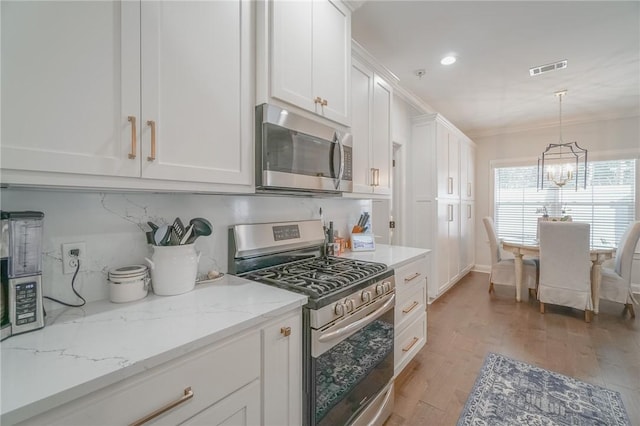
[{"x": 560, "y": 162}]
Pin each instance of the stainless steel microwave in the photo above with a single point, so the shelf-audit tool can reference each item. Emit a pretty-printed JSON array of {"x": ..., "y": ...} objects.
[{"x": 297, "y": 155}]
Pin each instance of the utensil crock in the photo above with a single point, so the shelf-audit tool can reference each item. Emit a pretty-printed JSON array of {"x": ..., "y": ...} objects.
[{"x": 173, "y": 269}]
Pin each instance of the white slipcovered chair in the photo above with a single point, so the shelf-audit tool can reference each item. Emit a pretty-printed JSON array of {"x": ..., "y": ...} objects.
[
  {"x": 616, "y": 276},
  {"x": 503, "y": 269},
  {"x": 565, "y": 266}
]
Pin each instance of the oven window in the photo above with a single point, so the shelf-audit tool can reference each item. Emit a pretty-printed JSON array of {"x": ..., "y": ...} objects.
[{"x": 353, "y": 371}]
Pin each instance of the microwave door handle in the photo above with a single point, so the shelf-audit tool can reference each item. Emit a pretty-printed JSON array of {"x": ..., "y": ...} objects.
[{"x": 341, "y": 170}]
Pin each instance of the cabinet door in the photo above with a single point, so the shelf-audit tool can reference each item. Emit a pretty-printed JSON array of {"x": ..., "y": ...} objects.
[
  {"x": 466, "y": 236},
  {"x": 291, "y": 53},
  {"x": 454, "y": 241},
  {"x": 443, "y": 248},
  {"x": 331, "y": 59},
  {"x": 361, "y": 96},
  {"x": 381, "y": 135},
  {"x": 70, "y": 79},
  {"x": 467, "y": 170},
  {"x": 442, "y": 167},
  {"x": 241, "y": 408},
  {"x": 454, "y": 165},
  {"x": 196, "y": 80},
  {"x": 282, "y": 372},
  {"x": 422, "y": 159}
]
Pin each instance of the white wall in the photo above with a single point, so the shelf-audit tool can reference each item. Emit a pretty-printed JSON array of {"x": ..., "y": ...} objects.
[
  {"x": 113, "y": 227},
  {"x": 601, "y": 139}
]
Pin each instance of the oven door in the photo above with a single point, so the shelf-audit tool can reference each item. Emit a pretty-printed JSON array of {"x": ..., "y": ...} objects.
[{"x": 351, "y": 363}]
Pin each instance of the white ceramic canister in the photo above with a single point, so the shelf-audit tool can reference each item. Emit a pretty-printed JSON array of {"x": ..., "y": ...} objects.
[
  {"x": 128, "y": 283},
  {"x": 173, "y": 269}
]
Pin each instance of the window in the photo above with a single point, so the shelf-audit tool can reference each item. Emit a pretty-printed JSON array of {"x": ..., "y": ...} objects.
[{"x": 608, "y": 203}]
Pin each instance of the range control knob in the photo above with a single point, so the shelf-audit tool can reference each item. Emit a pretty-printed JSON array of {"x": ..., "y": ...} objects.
[
  {"x": 365, "y": 296},
  {"x": 379, "y": 289},
  {"x": 339, "y": 309},
  {"x": 349, "y": 305},
  {"x": 386, "y": 286}
]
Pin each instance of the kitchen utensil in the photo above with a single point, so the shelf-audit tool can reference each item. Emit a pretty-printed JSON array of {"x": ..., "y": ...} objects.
[
  {"x": 162, "y": 235},
  {"x": 150, "y": 239},
  {"x": 201, "y": 227},
  {"x": 178, "y": 227},
  {"x": 187, "y": 235},
  {"x": 152, "y": 225},
  {"x": 173, "y": 269}
]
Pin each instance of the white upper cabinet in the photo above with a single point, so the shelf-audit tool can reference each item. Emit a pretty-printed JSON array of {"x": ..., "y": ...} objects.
[
  {"x": 69, "y": 79},
  {"x": 371, "y": 98},
  {"x": 158, "y": 90},
  {"x": 467, "y": 169},
  {"x": 195, "y": 72},
  {"x": 305, "y": 58}
]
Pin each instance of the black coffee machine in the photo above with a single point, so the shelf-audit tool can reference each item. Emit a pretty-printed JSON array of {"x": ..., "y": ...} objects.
[{"x": 21, "y": 257}]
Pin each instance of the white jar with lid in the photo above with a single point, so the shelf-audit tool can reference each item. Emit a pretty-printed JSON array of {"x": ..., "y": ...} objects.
[{"x": 128, "y": 283}]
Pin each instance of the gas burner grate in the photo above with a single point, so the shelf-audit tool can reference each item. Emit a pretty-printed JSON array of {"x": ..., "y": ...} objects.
[{"x": 318, "y": 277}]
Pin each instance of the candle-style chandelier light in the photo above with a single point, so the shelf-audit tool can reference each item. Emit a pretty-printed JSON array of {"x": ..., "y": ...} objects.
[{"x": 560, "y": 162}]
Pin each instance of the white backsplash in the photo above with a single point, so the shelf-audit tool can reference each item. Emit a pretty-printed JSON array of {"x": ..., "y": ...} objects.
[{"x": 113, "y": 226}]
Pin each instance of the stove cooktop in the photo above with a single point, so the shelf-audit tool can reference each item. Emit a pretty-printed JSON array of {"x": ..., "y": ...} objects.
[{"x": 319, "y": 277}]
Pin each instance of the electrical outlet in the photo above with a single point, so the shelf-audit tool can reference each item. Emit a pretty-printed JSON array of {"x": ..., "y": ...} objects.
[{"x": 70, "y": 260}]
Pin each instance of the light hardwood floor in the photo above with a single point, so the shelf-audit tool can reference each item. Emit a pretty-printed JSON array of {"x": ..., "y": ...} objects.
[{"x": 467, "y": 322}]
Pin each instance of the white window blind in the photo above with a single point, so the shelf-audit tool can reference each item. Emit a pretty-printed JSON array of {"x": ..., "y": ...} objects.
[{"x": 608, "y": 203}]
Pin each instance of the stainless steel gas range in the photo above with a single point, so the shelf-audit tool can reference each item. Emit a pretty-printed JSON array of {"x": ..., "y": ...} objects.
[{"x": 348, "y": 322}]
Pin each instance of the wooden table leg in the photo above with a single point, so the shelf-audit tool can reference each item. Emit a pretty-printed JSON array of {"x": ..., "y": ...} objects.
[
  {"x": 596, "y": 278},
  {"x": 519, "y": 268}
]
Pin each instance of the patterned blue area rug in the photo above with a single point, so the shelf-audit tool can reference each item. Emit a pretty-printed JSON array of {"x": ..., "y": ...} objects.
[{"x": 509, "y": 392}]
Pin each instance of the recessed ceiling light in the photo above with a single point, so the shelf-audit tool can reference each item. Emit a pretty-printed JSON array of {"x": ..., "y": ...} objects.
[{"x": 448, "y": 60}]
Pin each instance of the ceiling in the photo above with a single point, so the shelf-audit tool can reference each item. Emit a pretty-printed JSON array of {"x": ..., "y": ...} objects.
[{"x": 489, "y": 90}]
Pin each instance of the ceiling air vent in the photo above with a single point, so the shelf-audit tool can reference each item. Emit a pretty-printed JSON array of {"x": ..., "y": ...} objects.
[{"x": 548, "y": 67}]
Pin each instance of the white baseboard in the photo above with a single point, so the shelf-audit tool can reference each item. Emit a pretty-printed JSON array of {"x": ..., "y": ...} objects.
[{"x": 482, "y": 268}]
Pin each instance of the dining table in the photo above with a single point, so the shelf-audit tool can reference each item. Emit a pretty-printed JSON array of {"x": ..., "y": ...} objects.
[{"x": 598, "y": 255}]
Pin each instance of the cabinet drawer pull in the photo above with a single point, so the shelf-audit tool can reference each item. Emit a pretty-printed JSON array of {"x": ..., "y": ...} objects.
[
  {"x": 450, "y": 186},
  {"x": 188, "y": 394},
  {"x": 324, "y": 102},
  {"x": 412, "y": 277},
  {"x": 285, "y": 331},
  {"x": 410, "y": 345},
  {"x": 410, "y": 308},
  {"x": 318, "y": 100},
  {"x": 134, "y": 143},
  {"x": 152, "y": 124}
]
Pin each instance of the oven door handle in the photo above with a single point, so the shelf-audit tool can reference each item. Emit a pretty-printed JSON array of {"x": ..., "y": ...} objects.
[{"x": 359, "y": 323}]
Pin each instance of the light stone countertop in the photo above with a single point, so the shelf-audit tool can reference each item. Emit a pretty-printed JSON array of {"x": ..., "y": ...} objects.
[
  {"x": 85, "y": 349},
  {"x": 392, "y": 256}
]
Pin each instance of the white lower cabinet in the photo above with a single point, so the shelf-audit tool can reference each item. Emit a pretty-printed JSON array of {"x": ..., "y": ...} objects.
[
  {"x": 253, "y": 378},
  {"x": 410, "y": 311}
]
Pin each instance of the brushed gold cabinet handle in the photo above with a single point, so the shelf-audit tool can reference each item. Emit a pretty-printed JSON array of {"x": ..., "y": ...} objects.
[
  {"x": 318, "y": 100},
  {"x": 188, "y": 394},
  {"x": 410, "y": 345},
  {"x": 324, "y": 102},
  {"x": 410, "y": 308},
  {"x": 285, "y": 331},
  {"x": 134, "y": 143},
  {"x": 412, "y": 277},
  {"x": 152, "y": 124}
]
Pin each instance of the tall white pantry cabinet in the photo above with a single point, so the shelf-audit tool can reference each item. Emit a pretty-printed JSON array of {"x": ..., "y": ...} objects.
[
  {"x": 162, "y": 91},
  {"x": 442, "y": 199}
]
